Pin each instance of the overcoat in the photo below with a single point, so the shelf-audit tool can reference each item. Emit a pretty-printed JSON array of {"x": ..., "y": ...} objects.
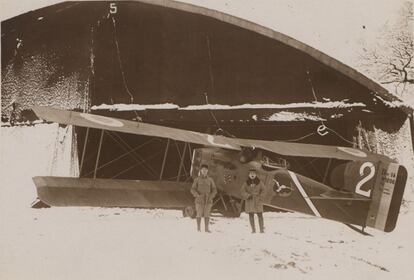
[
  {"x": 253, "y": 192},
  {"x": 204, "y": 190}
]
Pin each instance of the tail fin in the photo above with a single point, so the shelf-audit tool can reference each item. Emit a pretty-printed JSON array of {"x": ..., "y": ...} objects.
[{"x": 386, "y": 196}]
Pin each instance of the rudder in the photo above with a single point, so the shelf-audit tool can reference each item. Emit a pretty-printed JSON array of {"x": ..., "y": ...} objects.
[{"x": 387, "y": 196}]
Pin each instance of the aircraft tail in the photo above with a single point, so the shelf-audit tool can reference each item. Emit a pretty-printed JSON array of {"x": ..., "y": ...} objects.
[{"x": 386, "y": 196}]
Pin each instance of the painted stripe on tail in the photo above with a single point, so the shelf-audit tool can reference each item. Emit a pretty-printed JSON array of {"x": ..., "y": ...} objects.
[{"x": 304, "y": 194}]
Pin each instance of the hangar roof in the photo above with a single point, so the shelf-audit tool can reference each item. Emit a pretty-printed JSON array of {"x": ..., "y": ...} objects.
[{"x": 387, "y": 98}]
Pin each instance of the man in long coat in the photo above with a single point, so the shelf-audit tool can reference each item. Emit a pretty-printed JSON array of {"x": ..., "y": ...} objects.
[
  {"x": 204, "y": 190},
  {"x": 253, "y": 192}
]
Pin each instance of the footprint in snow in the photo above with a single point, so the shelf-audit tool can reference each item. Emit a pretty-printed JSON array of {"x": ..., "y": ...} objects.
[
  {"x": 292, "y": 264},
  {"x": 279, "y": 266},
  {"x": 339, "y": 242}
]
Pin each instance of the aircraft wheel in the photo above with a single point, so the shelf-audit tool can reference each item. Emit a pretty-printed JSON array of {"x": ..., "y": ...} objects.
[
  {"x": 235, "y": 210},
  {"x": 231, "y": 214},
  {"x": 189, "y": 211}
]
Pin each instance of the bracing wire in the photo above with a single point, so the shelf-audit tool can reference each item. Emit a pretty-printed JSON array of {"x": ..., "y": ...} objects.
[
  {"x": 120, "y": 61},
  {"x": 340, "y": 136},
  {"x": 311, "y": 84},
  {"x": 210, "y": 71},
  {"x": 219, "y": 128},
  {"x": 136, "y": 164},
  {"x": 122, "y": 155},
  {"x": 314, "y": 94},
  {"x": 124, "y": 81},
  {"x": 212, "y": 114},
  {"x": 300, "y": 138},
  {"x": 125, "y": 146},
  {"x": 323, "y": 126}
]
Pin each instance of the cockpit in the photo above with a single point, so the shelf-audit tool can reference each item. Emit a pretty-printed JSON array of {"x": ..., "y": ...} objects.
[{"x": 269, "y": 164}]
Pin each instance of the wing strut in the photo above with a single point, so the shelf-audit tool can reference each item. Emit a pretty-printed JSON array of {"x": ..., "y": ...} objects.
[
  {"x": 165, "y": 158},
  {"x": 182, "y": 156},
  {"x": 99, "y": 153},
  {"x": 84, "y": 151},
  {"x": 325, "y": 176}
]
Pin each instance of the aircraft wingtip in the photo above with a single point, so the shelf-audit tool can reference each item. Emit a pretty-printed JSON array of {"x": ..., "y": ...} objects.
[{"x": 40, "y": 111}]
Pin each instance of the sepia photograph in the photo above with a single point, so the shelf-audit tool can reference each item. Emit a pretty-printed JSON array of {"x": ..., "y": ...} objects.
[{"x": 207, "y": 139}]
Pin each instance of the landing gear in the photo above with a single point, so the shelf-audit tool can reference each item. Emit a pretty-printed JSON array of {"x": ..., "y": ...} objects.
[
  {"x": 229, "y": 207},
  {"x": 230, "y": 214},
  {"x": 361, "y": 231},
  {"x": 189, "y": 211}
]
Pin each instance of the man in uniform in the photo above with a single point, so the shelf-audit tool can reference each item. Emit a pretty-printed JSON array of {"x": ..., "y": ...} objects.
[
  {"x": 253, "y": 191},
  {"x": 204, "y": 190}
]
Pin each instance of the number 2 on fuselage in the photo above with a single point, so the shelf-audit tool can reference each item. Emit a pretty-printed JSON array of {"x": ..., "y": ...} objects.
[{"x": 362, "y": 188}]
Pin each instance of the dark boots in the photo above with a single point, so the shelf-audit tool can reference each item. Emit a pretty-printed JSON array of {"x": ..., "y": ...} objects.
[
  {"x": 251, "y": 220},
  {"x": 198, "y": 224},
  {"x": 206, "y": 224},
  {"x": 261, "y": 222}
]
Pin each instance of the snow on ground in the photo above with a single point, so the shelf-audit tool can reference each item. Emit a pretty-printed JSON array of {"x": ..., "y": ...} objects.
[{"x": 113, "y": 243}]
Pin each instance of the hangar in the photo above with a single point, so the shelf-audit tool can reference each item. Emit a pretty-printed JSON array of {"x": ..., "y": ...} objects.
[{"x": 186, "y": 66}]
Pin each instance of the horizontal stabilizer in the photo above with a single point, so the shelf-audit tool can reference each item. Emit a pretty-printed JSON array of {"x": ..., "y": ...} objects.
[
  {"x": 340, "y": 195},
  {"x": 70, "y": 191}
]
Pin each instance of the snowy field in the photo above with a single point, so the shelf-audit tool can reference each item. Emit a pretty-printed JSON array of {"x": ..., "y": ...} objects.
[{"x": 98, "y": 243}]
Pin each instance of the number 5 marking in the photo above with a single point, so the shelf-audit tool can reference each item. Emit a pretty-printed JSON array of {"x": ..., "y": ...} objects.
[
  {"x": 113, "y": 8},
  {"x": 369, "y": 176}
]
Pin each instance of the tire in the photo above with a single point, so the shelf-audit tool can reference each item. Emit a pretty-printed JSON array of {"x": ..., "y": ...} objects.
[
  {"x": 189, "y": 211},
  {"x": 230, "y": 214},
  {"x": 234, "y": 212}
]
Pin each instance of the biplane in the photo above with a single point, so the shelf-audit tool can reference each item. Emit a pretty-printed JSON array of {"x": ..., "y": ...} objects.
[{"x": 359, "y": 188}]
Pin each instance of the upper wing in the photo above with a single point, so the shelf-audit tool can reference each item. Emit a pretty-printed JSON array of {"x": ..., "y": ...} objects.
[
  {"x": 279, "y": 147},
  {"x": 313, "y": 150},
  {"x": 114, "y": 124}
]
